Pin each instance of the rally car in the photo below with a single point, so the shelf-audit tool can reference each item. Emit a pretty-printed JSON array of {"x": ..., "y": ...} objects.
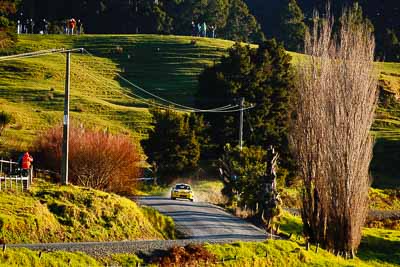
[{"x": 182, "y": 191}]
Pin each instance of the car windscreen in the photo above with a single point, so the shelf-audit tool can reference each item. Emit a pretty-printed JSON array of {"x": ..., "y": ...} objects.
[{"x": 182, "y": 187}]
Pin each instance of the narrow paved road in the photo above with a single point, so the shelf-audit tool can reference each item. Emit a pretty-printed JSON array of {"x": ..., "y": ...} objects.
[{"x": 200, "y": 220}]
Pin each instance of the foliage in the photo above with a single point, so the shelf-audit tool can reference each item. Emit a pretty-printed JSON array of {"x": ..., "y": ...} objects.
[
  {"x": 96, "y": 159},
  {"x": 172, "y": 144},
  {"x": 390, "y": 45},
  {"x": 241, "y": 25},
  {"x": 383, "y": 18},
  {"x": 333, "y": 149},
  {"x": 231, "y": 17},
  {"x": 247, "y": 167},
  {"x": 292, "y": 26},
  {"x": 7, "y": 35},
  {"x": 263, "y": 77},
  {"x": 5, "y": 120},
  {"x": 52, "y": 213}
]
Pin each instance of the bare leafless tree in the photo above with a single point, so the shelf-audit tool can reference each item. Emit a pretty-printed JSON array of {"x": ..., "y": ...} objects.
[{"x": 333, "y": 113}]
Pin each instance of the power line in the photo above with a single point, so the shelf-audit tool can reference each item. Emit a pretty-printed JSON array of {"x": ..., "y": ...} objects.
[
  {"x": 224, "y": 109},
  {"x": 149, "y": 102},
  {"x": 38, "y": 53}
]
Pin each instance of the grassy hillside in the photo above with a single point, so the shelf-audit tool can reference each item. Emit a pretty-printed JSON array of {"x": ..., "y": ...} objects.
[
  {"x": 52, "y": 213},
  {"x": 32, "y": 89}
]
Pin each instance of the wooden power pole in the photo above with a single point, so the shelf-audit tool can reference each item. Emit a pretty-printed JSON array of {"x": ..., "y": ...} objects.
[
  {"x": 65, "y": 143},
  {"x": 241, "y": 124}
]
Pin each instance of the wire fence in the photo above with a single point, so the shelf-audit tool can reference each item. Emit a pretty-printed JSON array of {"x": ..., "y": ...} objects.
[{"x": 13, "y": 178}]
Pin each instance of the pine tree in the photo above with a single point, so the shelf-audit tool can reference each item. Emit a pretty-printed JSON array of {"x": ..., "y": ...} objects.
[
  {"x": 263, "y": 77},
  {"x": 292, "y": 26},
  {"x": 172, "y": 144},
  {"x": 241, "y": 24}
]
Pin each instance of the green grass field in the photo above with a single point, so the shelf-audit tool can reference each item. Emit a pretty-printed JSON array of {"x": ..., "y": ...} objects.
[{"x": 32, "y": 89}]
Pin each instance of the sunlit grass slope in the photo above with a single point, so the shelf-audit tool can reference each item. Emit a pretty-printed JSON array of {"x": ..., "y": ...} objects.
[
  {"x": 52, "y": 213},
  {"x": 32, "y": 89}
]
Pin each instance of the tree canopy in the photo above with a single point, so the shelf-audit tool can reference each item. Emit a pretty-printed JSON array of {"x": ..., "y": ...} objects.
[
  {"x": 384, "y": 18},
  {"x": 264, "y": 78},
  {"x": 7, "y": 35},
  {"x": 231, "y": 18},
  {"x": 172, "y": 144}
]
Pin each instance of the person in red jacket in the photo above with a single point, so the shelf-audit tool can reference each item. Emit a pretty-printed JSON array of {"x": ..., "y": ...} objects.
[
  {"x": 71, "y": 25},
  {"x": 26, "y": 163}
]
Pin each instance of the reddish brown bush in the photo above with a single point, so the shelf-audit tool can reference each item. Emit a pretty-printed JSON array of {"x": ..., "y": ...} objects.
[
  {"x": 96, "y": 159},
  {"x": 190, "y": 255}
]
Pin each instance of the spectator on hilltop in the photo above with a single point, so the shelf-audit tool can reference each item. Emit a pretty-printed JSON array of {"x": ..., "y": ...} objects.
[
  {"x": 19, "y": 27},
  {"x": 71, "y": 26},
  {"x": 198, "y": 29},
  {"x": 32, "y": 26},
  {"x": 213, "y": 29},
  {"x": 193, "y": 28},
  {"x": 204, "y": 29},
  {"x": 45, "y": 27},
  {"x": 79, "y": 27}
]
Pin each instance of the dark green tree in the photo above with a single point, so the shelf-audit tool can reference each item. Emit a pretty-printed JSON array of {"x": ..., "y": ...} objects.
[
  {"x": 241, "y": 24},
  {"x": 292, "y": 26},
  {"x": 5, "y": 120},
  {"x": 391, "y": 46},
  {"x": 243, "y": 171},
  {"x": 172, "y": 144},
  {"x": 264, "y": 78}
]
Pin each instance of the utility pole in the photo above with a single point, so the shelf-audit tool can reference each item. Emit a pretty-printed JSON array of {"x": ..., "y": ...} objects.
[
  {"x": 65, "y": 143},
  {"x": 241, "y": 124}
]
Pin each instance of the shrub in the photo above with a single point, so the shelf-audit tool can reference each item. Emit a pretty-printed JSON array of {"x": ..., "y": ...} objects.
[
  {"x": 172, "y": 144},
  {"x": 96, "y": 159},
  {"x": 5, "y": 120}
]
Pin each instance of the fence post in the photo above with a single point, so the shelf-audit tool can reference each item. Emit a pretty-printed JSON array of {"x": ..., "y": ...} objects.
[
  {"x": 10, "y": 175},
  {"x": 1, "y": 170},
  {"x": 5, "y": 180},
  {"x": 31, "y": 176},
  {"x": 22, "y": 183}
]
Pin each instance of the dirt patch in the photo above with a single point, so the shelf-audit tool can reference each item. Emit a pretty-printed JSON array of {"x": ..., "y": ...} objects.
[{"x": 190, "y": 255}]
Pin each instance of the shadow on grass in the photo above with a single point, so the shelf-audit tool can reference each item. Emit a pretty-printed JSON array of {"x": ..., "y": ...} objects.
[{"x": 379, "y": 249}]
